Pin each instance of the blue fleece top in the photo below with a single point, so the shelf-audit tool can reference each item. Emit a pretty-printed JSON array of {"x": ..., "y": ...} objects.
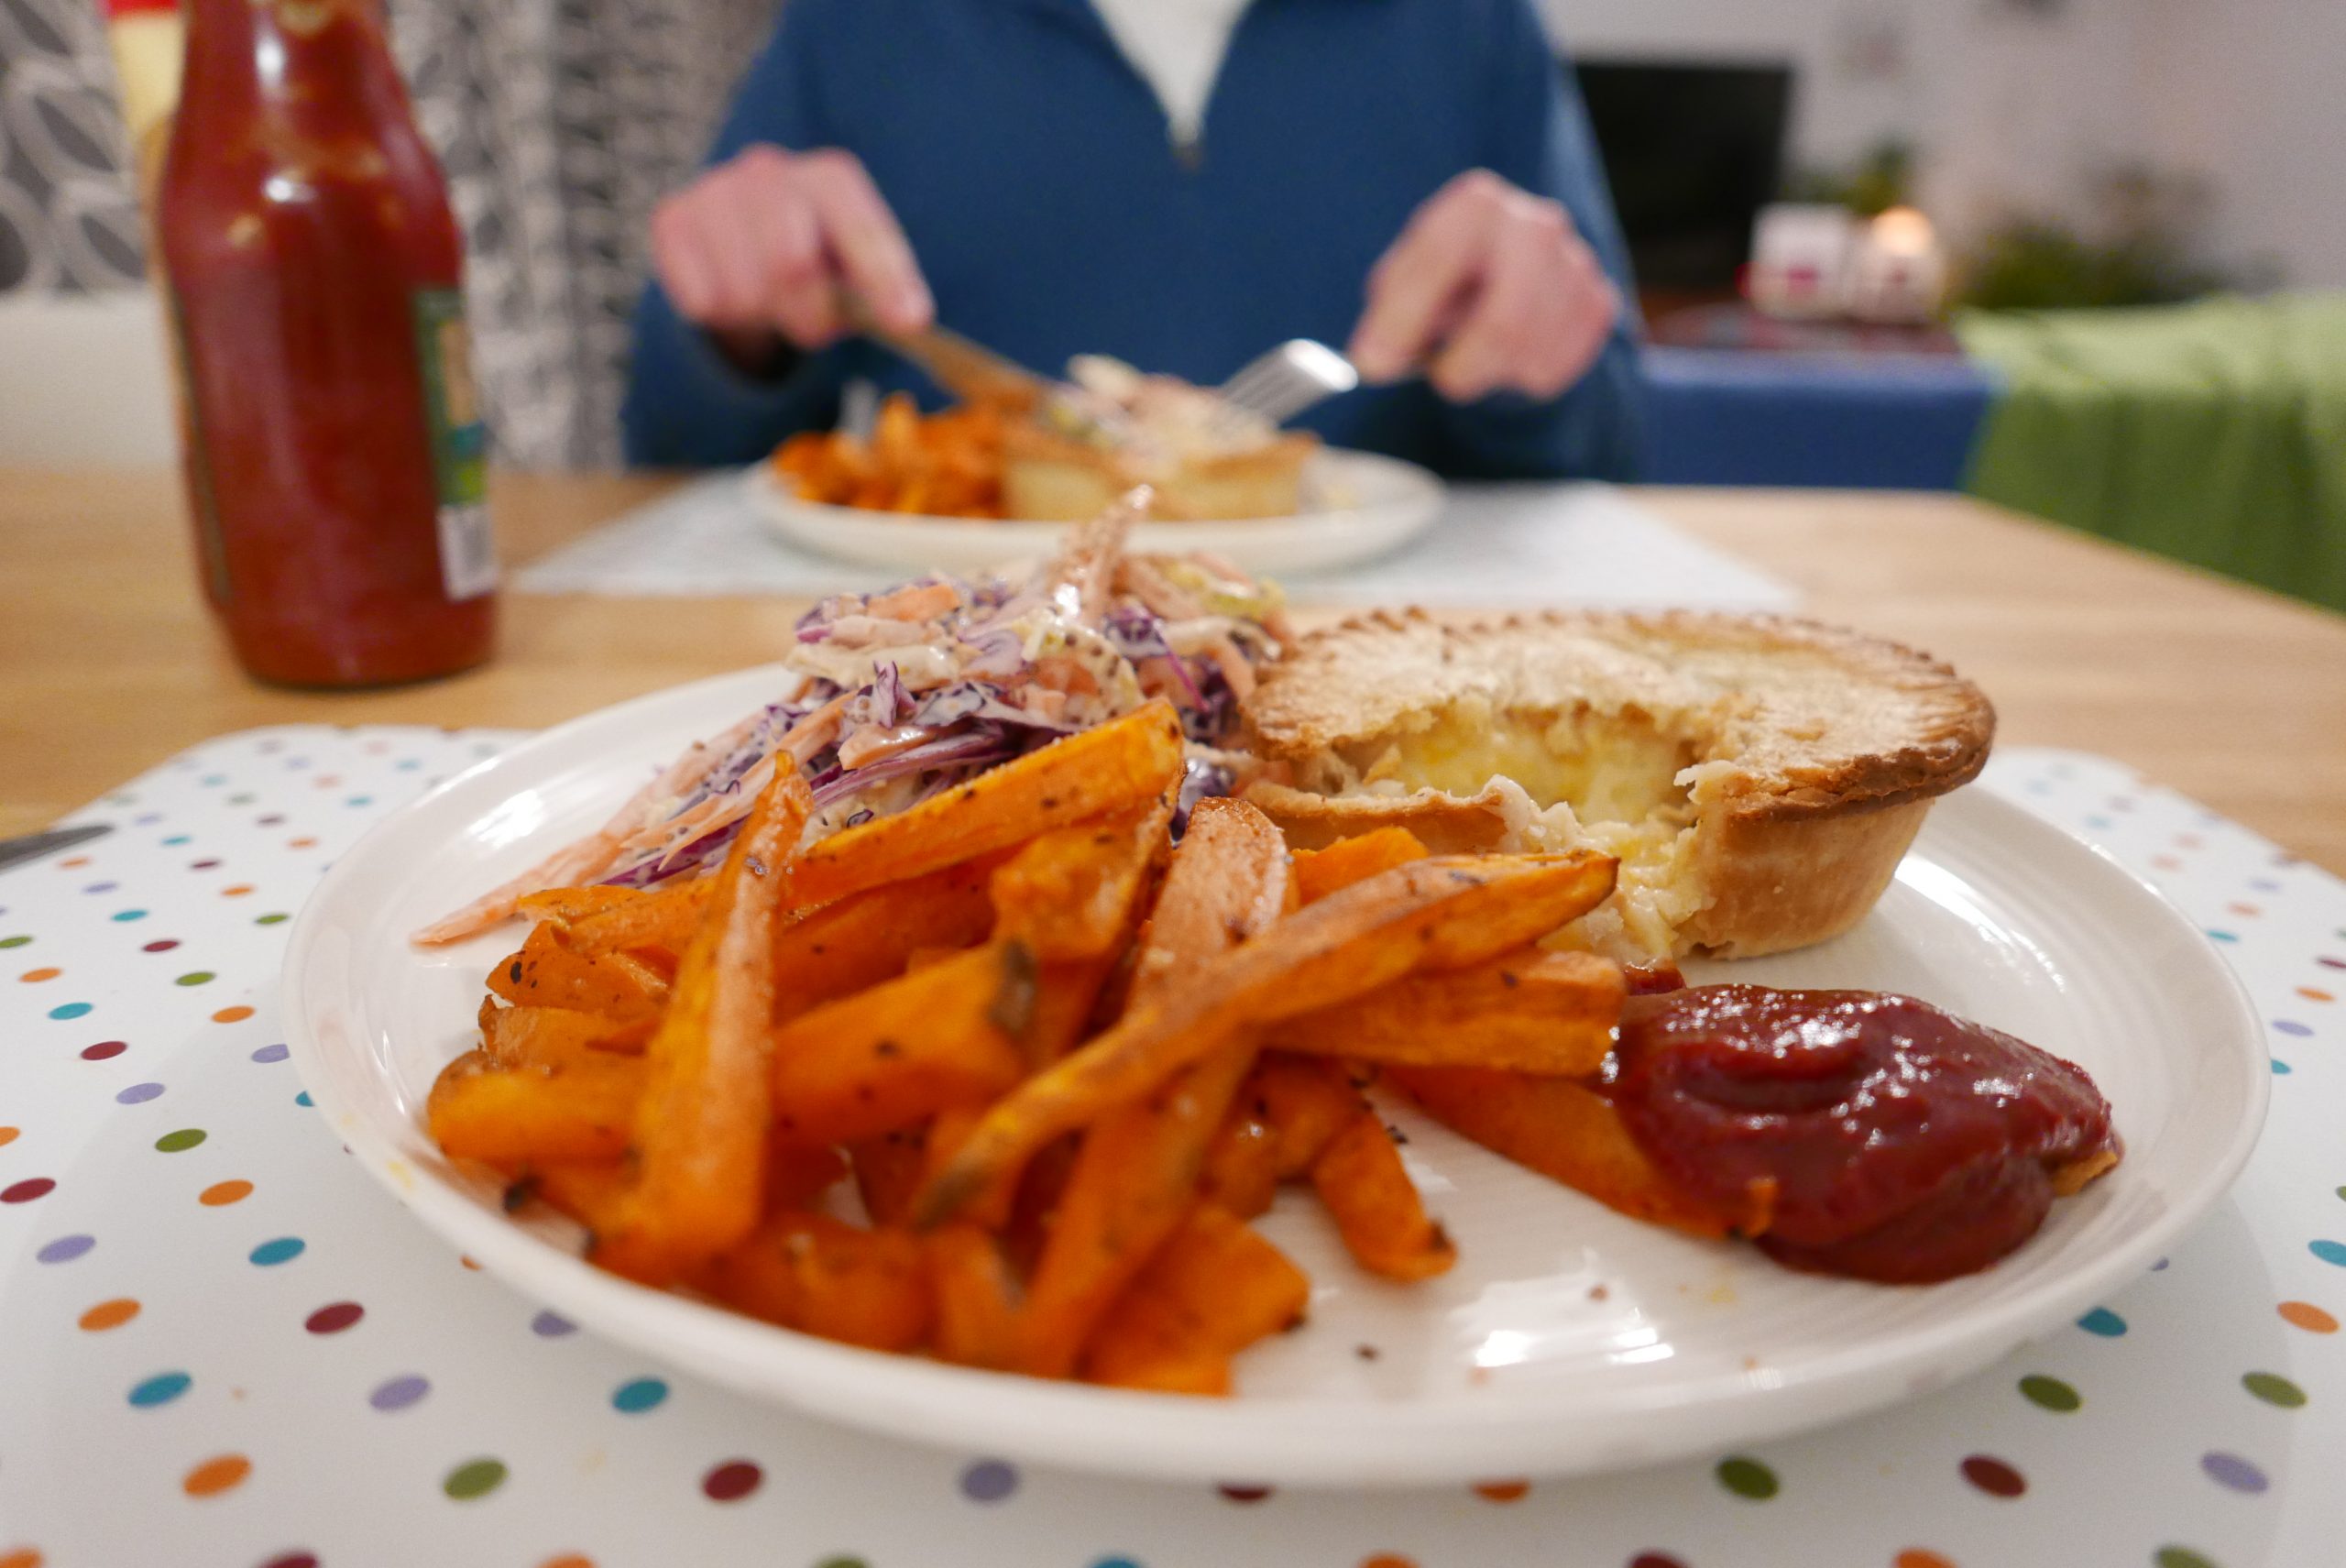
[{"x": 1033, "y": 172}]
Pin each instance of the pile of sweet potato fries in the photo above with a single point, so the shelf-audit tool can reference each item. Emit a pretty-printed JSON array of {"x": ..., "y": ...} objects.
[
  {"x": 947, "y": 464},
  {"x": 1063, "y": 1062}
]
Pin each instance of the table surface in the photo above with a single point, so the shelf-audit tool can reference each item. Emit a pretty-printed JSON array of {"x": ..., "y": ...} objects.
[{"x": 2226, "y": 693}]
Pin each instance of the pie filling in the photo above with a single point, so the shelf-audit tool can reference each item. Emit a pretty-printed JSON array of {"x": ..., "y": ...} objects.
[{"x": 1624, "y": 780}]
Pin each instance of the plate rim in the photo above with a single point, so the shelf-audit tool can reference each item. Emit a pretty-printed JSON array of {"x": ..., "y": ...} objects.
[
  {"x": 1440, "y": 1440},
  {"x": 766, "y": 490}
]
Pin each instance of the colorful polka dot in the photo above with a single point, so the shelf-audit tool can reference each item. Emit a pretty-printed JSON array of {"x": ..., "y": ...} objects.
[
  {"x": 21, "y": 1557},
  {"x": 1237, "y": 1492},
  {"x": 732, "y": 1481},
  {"x": 196, "y": 977},
  {"x": 550, "y": 1325},
  {"x": 292, "y": 1560},
  {"x": 2329, "y": 1251},
  {"x": 220, "y": 1194},
  {"x": 271, "y": 1053},
  {"x": 180, "y": 1142},
  {"x": 109, "y": 1314},
  {"x": 2274, "y": 1389},
  {"x": 236, "y": 1015},
  {"x": 2292, "y": 1027},
  {"x": 2179, "y": 1557},
  {"x": 101, "y": 887},
  {"x": 2308, "y": 1317},
  {"x": 65, "y": 1249},
  {"x": 1655, "y": 1560},
  {"x": 989, "y": 1481},
  {"x": 1502, "y": 1491},
  {"x": 69, "y": 1010},
  {"x": 127, "y": 915},
  {"x": 474, "y": 1478},
  {"x": 2314, "y": 993},
  {"x": 2222, "y": 936},
  {"x": 25, "y": 1191},
  {"x": 1917, "y": 1557},
  {"x": 271, "y": 919},
  {"x": 1748, "y": 1478},
  {"x": 569, "y": 1559},
  {"x": 36, "y": 976},
  {"x": 2050, "y": 1394},
  {"x": 7, "y": 942},
  {"x": 73, "y": 863},
  {"x": 138, "y": 1093},
  {"x": 1994, "y": 1477},
  {"x": 105, "y": 1050},
  {"x": 204, "y": 865},
  {"x": 2232, "y": 1473},
  {"x": 175, "y": 840},
  {"x": 284, "y": 1249},
  {"x": 162, "y": 944},
  {"x": 639, "y": 1395},
  {"x": 224, "y": 1472},
  {"x": 334, "y": 1317},
  {"x": 303, "y": 1099},
  {"x": 160, "y": 1389},
  {"x": 399, "y": 1392},
  {"x": 9, "y": 1135},
  {"x": 2103, "y": 1321},
  {"x": 1388, "y": 1560},
  {"x": 236, "y": 890}
]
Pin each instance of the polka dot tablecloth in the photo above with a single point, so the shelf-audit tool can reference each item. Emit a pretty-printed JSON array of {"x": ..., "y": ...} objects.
[{"x": 221, "y": 1343}]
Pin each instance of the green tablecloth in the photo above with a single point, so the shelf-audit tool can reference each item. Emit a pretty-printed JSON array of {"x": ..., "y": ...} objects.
[{"x": 2213, "y": 432}]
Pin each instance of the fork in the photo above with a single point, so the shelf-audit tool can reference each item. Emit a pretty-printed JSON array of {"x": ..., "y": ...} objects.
[{"x": 1281, "y": 384}]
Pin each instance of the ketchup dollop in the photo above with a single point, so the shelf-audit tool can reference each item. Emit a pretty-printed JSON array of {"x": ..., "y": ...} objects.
[{"x": 1903, "y": 1144}]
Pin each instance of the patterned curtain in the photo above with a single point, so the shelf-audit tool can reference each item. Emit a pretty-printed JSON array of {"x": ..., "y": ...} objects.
[
  {"x": 559, "y": 122},
  {"x": 69, "y": 223}
]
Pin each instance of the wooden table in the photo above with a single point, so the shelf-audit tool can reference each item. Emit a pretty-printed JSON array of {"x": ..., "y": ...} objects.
[{"x": 2234, "y": 696}]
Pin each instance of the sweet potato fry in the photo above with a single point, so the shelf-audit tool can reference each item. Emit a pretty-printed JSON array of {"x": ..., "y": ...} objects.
[
  {"x": 1213, "y": 1290},
  {"x": 1319, "y": 872},
  {"x": 977, "y": 1297},
  {"x": 1378, "y": 1211},
  {"x": 570, "y": 905},
  {"x": 522, "y": 1037},
  {"x": 590, "y": 1194},
  {"x": 1242, "y": 1170},
  {"x": 547, "y": 973},
  {"x": 1116, "y": 767},
  {"x": 1563, "y": 1130},
  {"x": 1551, "y": 1014},
  {"x": 820, "y": 1275},
  {"x": 1136, "y": 1174},
  {"x": 1431, "y": 915},
  {"x": 798, "y": 1174},
  {"x": 1069, "y": 893},
  {"x": 577, "y": 1110},
  {"x": 888, "y": 1173},
  {"x": 657, "y": 922},
  {"x": 902, "y": 1051},
  {"x": 871, "y": 936},
  {"x": 1304, "y": 1101},
  {"x": 701, "y": 1127}
]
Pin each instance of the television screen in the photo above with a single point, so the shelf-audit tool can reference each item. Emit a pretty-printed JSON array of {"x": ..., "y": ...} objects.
[{"x": 1693, "y": 151}]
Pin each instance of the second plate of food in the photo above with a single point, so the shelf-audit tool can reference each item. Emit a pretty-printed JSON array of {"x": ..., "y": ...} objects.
[
  {"x": 1567, "y": 1338},
  {"x": 1364, "y": 505}
]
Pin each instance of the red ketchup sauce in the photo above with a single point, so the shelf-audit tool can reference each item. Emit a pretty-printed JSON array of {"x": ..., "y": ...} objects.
[{"x": 1905, "y": 1145}]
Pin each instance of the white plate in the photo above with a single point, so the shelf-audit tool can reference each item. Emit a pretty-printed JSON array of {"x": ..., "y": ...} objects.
[
  {"x": 1567, "y": 1339},
  {"x": 1376, "y": 504}
]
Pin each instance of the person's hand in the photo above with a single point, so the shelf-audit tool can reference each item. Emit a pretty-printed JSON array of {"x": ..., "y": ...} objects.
[
  {"x": 760, "y": 246},
  {"x": 1488, "y": 289}
]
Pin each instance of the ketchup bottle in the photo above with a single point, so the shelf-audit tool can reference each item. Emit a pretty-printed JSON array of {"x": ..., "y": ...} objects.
[{"x": 336, "y": 455}]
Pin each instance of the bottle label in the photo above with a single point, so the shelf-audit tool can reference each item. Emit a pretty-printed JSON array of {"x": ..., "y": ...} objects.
[{"x": 459, "y": 444}]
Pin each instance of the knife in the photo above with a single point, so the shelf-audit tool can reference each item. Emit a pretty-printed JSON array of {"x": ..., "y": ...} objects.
[{"x": 33, "y": 846}]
